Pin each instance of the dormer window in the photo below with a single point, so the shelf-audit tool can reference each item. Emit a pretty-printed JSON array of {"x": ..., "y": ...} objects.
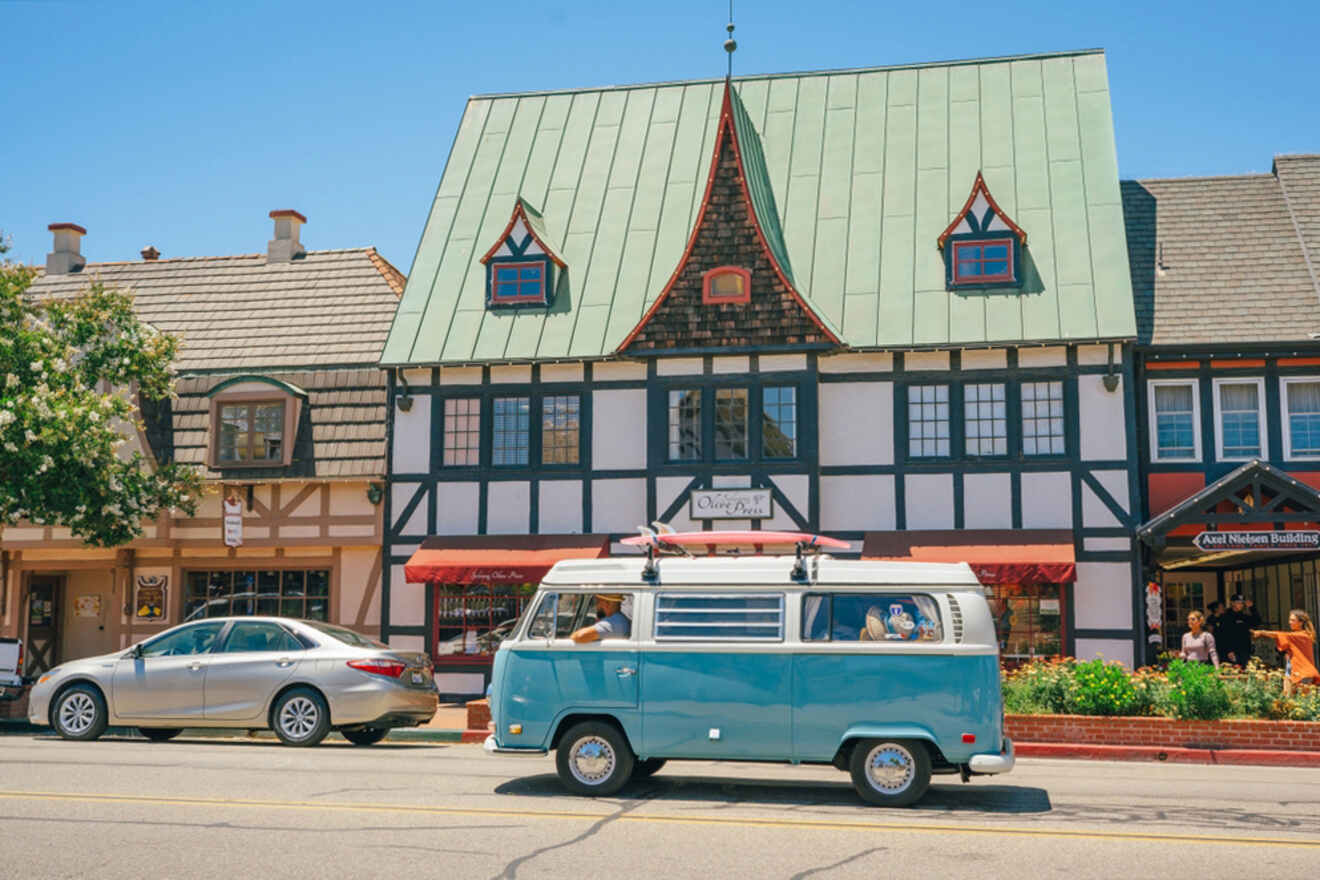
[
  {"x": 726, "y": 284},
  {"x": 253, "y": 422},
  {"x": 982, "y": 246},
  {"x": 520, "y": 266}
]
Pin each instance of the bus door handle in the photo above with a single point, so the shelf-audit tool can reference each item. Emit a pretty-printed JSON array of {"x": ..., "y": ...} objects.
[{"x": 626, "y": 671}]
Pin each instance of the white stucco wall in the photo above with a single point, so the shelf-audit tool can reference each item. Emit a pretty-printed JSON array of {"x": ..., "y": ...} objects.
[
  {"x": 618, "y": 418},
  {"x": 456, "y": 508},
  {"x": 856, "y": 423},
  {"x": 1109, "y": 649},
  {"x": 1047, "y": 501},
  {"x": 1101, "y": 419},
  {"x": 618, "y": 505},
  {"x": 559, "y": 508},
  {"x": 857, "y": 503},
  {"x": 1095, "y": 514},
  {"x": 509, "y": 507},
  {"x": 928, "y": 501},
  {"x": 412, "y": 437},
  {"x": 407, "y": 601},
  {"x": 400, "y": 495},
  {"x": 987, "y": 501},
  {"x": 1102, "y": 595}
]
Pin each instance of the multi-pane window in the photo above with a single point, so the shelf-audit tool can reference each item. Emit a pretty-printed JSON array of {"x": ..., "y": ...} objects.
[
  {"x": 980, "y": 262},
  {"x": 462, "y": 432},
  {"x": 730, "y": 423},
  {"x": 985, "y": 419},
  {"x": 733, "y": 618},
  {"x": 928, "y": 420},
  {"x": 251, "y": 432},
  {"x": 287, "y": 593},
  {"x": 518, "y": 282},
  {"x": 1238, "y": 407},
  {"x": 510, "y": 430},
  {"x": 559, "y": 429},
  {"x": 1042, "y": 418},
  {"x": 685, "y": 425},
  {"x": 1301, "y": 401},
  {"x": 779, "y": 421},
  {"x": 1175, "y": 415}
]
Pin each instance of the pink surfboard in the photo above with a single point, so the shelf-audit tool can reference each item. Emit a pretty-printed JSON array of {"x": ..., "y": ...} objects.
[{"x": 757, "y": 542}]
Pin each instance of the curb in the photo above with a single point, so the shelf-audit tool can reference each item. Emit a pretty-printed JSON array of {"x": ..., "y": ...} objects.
[
  {"x": 1093, "y": 752},
  {"x": 398, "y": 734}
]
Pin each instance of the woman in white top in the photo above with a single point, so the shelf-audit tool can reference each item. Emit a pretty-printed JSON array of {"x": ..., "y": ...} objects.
[{"x": 1198, "y": 645}]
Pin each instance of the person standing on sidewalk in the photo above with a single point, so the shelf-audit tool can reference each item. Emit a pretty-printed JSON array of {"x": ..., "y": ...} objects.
[
  {"x": 1233, "y": 634},
  {"x": 1198, "y": 644},
  {"x": 1298, "y": 646}
]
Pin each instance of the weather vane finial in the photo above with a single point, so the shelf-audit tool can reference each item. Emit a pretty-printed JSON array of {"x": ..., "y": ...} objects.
[{"x": 730, "y": 44}]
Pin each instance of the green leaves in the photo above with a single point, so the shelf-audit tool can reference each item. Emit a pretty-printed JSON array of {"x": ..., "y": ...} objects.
[{"x": 71, "y": 447}]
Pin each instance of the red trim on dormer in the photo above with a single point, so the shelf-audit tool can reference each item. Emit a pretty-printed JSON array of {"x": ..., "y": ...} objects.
[
  {"x": 726, "y": 127},
  {"x": 519, "y": 211},
  {"x": 979, "y": 186},
  {"x": 708, "y": 298}
]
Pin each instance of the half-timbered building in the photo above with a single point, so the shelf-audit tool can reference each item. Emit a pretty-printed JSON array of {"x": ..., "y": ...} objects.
[{"x": 891, "y": 305}]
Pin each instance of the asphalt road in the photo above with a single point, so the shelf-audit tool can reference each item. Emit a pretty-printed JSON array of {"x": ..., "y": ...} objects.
[{"x": 238, "y": 809}]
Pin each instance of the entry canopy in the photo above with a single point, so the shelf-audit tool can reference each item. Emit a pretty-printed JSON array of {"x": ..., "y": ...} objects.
[
  {"x": 498, "y": 559},
  {"x": 997, "y": 556}
]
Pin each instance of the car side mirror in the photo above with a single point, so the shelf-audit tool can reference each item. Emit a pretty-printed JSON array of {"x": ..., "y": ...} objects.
[{"x": 137, "y": 651}]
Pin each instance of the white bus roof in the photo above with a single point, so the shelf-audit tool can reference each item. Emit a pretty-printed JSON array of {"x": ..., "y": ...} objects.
[{"x": 760, "y": 571}]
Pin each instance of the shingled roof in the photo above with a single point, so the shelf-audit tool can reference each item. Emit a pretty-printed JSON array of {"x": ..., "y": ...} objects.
[
  {"x": 1225, "y": 260},
  {"x": 862, "y": 168},
  {"x": 317, "y": 322}
]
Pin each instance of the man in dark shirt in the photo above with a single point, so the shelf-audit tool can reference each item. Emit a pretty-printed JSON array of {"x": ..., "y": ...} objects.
[{"x": 1233, "y": 632}]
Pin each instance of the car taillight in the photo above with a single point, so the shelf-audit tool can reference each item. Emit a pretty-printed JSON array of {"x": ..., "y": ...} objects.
[{"x": 388, "y": 668}]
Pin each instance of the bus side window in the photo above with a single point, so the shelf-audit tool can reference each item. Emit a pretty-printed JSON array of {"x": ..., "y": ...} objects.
[
  {"x": 570, "y": 605},
  {"x": 816, "y": 617},
  {"x": 543, "y": 624},
  {"x": 885, "y": 617}
]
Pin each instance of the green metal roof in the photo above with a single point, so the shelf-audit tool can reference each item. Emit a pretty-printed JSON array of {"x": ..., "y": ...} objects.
[{"x": 853, "y": 176}]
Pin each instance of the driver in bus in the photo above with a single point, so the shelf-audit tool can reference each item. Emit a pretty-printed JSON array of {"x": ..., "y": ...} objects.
[{"x": 612, "y": 620}]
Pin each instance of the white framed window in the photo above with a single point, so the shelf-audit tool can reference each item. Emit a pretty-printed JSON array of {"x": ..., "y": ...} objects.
[
  {"x": 1175, "y": 420},
  {"x": 1300, "y": 396},
  {"x": 1239, "y": 418},
  {"x": 985, "y": 419},
  {"x": 1042, "y": 418},
  {"x": 462, "y": 435},
  {"x": 928, "y": 421}
]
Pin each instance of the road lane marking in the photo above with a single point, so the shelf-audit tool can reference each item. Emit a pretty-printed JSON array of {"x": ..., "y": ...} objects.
[{"x": 745, "y": 822}]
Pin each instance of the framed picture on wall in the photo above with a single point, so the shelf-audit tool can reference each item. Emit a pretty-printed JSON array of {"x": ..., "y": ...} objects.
[{"x": 150, "y": 604}]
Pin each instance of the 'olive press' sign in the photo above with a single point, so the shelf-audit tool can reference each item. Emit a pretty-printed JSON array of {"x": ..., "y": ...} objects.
[
  {"x": 730, "y": 504},
  {"x": 1209, "y": 542}
]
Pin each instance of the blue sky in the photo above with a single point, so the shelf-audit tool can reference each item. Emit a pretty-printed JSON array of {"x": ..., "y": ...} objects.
[{"x": 182, "y": 124}]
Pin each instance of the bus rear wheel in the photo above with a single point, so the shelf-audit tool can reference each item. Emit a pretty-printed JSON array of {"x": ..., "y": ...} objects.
[{"x": 890, "y": 772}]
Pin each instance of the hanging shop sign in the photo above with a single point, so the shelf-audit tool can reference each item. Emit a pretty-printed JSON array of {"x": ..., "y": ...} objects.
[
  {"x": 730, "y": 504},
  {"x": 150, "y": 602},
  {"x": 233, "y": 523},
  {"x": 1294, "y": 540}
]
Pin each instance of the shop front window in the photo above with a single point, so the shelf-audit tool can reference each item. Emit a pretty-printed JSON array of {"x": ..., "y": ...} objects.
[
  {"x": 472, "y": 619},
  {"x": 300, "y": 593},
  {"x": 1028, "y": 621}
]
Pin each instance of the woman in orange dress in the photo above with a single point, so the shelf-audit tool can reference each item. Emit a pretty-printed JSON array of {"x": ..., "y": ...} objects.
[{"x": 1298, "y": 645}]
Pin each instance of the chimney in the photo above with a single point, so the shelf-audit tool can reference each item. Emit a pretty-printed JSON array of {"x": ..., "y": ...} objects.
[
  {"x": 285, "y": 246},
  {"x": 150, "y": 254},
  {"x": 67, "y": 256}
]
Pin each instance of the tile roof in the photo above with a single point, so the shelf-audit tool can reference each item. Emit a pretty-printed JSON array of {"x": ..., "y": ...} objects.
[
  {"x": 862, "y": 169},
  {"x": 240, "y": 312},
  {"x": 1222, "y": 259}
]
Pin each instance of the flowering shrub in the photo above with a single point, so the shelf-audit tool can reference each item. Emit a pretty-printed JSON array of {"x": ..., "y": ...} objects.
[
  {"x": 70, "y": 373},
  {"x": 1038, "y": 688},
  {"x": 1195, "y": 692},
  {"x": 1100, "y": 688}
]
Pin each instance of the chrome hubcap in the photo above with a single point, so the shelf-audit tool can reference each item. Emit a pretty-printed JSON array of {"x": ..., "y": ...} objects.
[
  {"x": 298, "y": 718},
  {"x": 77, "y": 713},
  {"x": 890, "y": 768},
  {"x": 591, "y": 760}
]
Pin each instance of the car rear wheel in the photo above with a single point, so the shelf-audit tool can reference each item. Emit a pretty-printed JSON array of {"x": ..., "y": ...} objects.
[
  {"x": 301, "y": 717},
  {"x": 649, "y": 767},
  {"x": 160, "y": 734},
  {"x": 890, "y": 772},
  {"x": 594, "y": 759},
  {"x": 366, "y": 736},
  {"x": 79, "y": 713}
]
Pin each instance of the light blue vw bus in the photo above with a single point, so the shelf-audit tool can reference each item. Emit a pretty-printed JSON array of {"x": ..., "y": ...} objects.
[{"x": 887, "y": 670}]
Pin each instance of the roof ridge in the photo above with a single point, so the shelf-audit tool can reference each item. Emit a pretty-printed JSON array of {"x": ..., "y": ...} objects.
[
  {"x": 1278, "y": 156},
  {"x": 209, "y": 257},
  {"x": 918, "y": 65},
  {"x": 393, "y": 277},
  {"x": 1263, "y": 175}
]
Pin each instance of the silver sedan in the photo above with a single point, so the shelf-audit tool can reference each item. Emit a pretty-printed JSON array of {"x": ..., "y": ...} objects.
[{"x": 300, "y": 678}]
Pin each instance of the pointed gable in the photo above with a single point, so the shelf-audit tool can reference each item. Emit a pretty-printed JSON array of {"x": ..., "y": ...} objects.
[
  {"x": 982, "y": 245},
  {"x": 733, "y": 286},
  {"x": 520, "y": 264}
]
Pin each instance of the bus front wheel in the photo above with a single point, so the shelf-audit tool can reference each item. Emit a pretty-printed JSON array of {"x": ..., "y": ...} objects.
[{"x": 594, "y": 759}]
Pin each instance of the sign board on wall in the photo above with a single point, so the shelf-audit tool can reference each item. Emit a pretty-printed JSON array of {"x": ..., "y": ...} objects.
[
  {"x": 1209, "y": 542},
  {"x": 730, "y": 504},
  {"x": 88, "y": 605},
  {"x": 150, "y": 604},
  {"x": 233, "y": 523}
]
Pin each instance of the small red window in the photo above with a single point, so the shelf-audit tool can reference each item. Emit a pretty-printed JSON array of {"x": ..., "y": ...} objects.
[
  {"x": 986, "y": 261},
  {"x": 726, "y": 284},
  {"x": 518, "y": 282}
]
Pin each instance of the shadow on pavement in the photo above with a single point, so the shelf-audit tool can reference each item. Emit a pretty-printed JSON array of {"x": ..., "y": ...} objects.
[
  {"x": 237, "y": 740},
  {"x": 944, "y": 798}
]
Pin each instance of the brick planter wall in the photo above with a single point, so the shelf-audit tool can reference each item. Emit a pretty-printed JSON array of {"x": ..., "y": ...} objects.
[
  {"x": 1296, "y": 736},
  {"x": 478, "y": 714}
]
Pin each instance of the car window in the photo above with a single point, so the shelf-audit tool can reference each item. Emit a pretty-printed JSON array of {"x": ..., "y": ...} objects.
[
  {"x": 347, "y": 636},
  {"x": 248, "y": 636},
  {"x": 196, "y": 639},
  {"x": 871, "y": 617}
]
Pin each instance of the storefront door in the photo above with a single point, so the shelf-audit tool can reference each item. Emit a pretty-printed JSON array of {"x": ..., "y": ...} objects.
[
  {"x": 43, "y": 617},
  {"x": 86, "y": 614}
]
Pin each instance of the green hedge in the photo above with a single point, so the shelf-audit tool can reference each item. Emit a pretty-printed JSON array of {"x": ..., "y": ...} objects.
[{"x": 1180, "y": 690}]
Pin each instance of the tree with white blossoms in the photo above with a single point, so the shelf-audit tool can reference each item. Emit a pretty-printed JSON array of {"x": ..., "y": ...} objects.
[{"x": 65, "y": 420}]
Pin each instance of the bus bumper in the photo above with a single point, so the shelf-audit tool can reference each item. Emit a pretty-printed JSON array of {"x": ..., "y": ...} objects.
[{"x": 989, "y": 764}]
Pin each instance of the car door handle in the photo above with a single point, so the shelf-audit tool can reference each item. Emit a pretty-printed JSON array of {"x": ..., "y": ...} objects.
[
  {"x": 625, "y": 671},
  {"x": 195, "y": 665},
  {"x": 283, "y": 661}
]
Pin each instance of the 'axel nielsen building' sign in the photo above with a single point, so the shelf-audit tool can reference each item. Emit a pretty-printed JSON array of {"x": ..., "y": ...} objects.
[{"x": 1298, "y": 540}]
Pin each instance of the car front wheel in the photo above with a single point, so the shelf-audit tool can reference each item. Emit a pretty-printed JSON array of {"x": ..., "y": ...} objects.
[
  {"x": 890, "y": 772},
  {"x": 594, "y": 759},
  {"x": 79, "y": 713},
  {"x": 301, "y": 717}
]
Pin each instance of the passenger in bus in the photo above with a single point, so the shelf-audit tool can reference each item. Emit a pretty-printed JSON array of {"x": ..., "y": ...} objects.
[
  {"x": 612, "y": 620},
  {"x": 1298, "y": 646}
]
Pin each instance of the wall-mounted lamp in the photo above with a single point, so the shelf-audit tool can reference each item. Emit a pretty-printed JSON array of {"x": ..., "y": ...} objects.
[
  {"x": 1110, "y": 378},
  {"x": 403, "y": 398},
  {"x": 375, "y": 492}
]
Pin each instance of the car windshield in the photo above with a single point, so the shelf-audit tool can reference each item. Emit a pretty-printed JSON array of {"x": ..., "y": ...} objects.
[{"x": 347, "y": 636}]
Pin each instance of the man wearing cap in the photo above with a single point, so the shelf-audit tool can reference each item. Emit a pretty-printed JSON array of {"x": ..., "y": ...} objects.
[
  {"x": 611, "y": 621},
  {"x": 1233, "y": 632}
]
